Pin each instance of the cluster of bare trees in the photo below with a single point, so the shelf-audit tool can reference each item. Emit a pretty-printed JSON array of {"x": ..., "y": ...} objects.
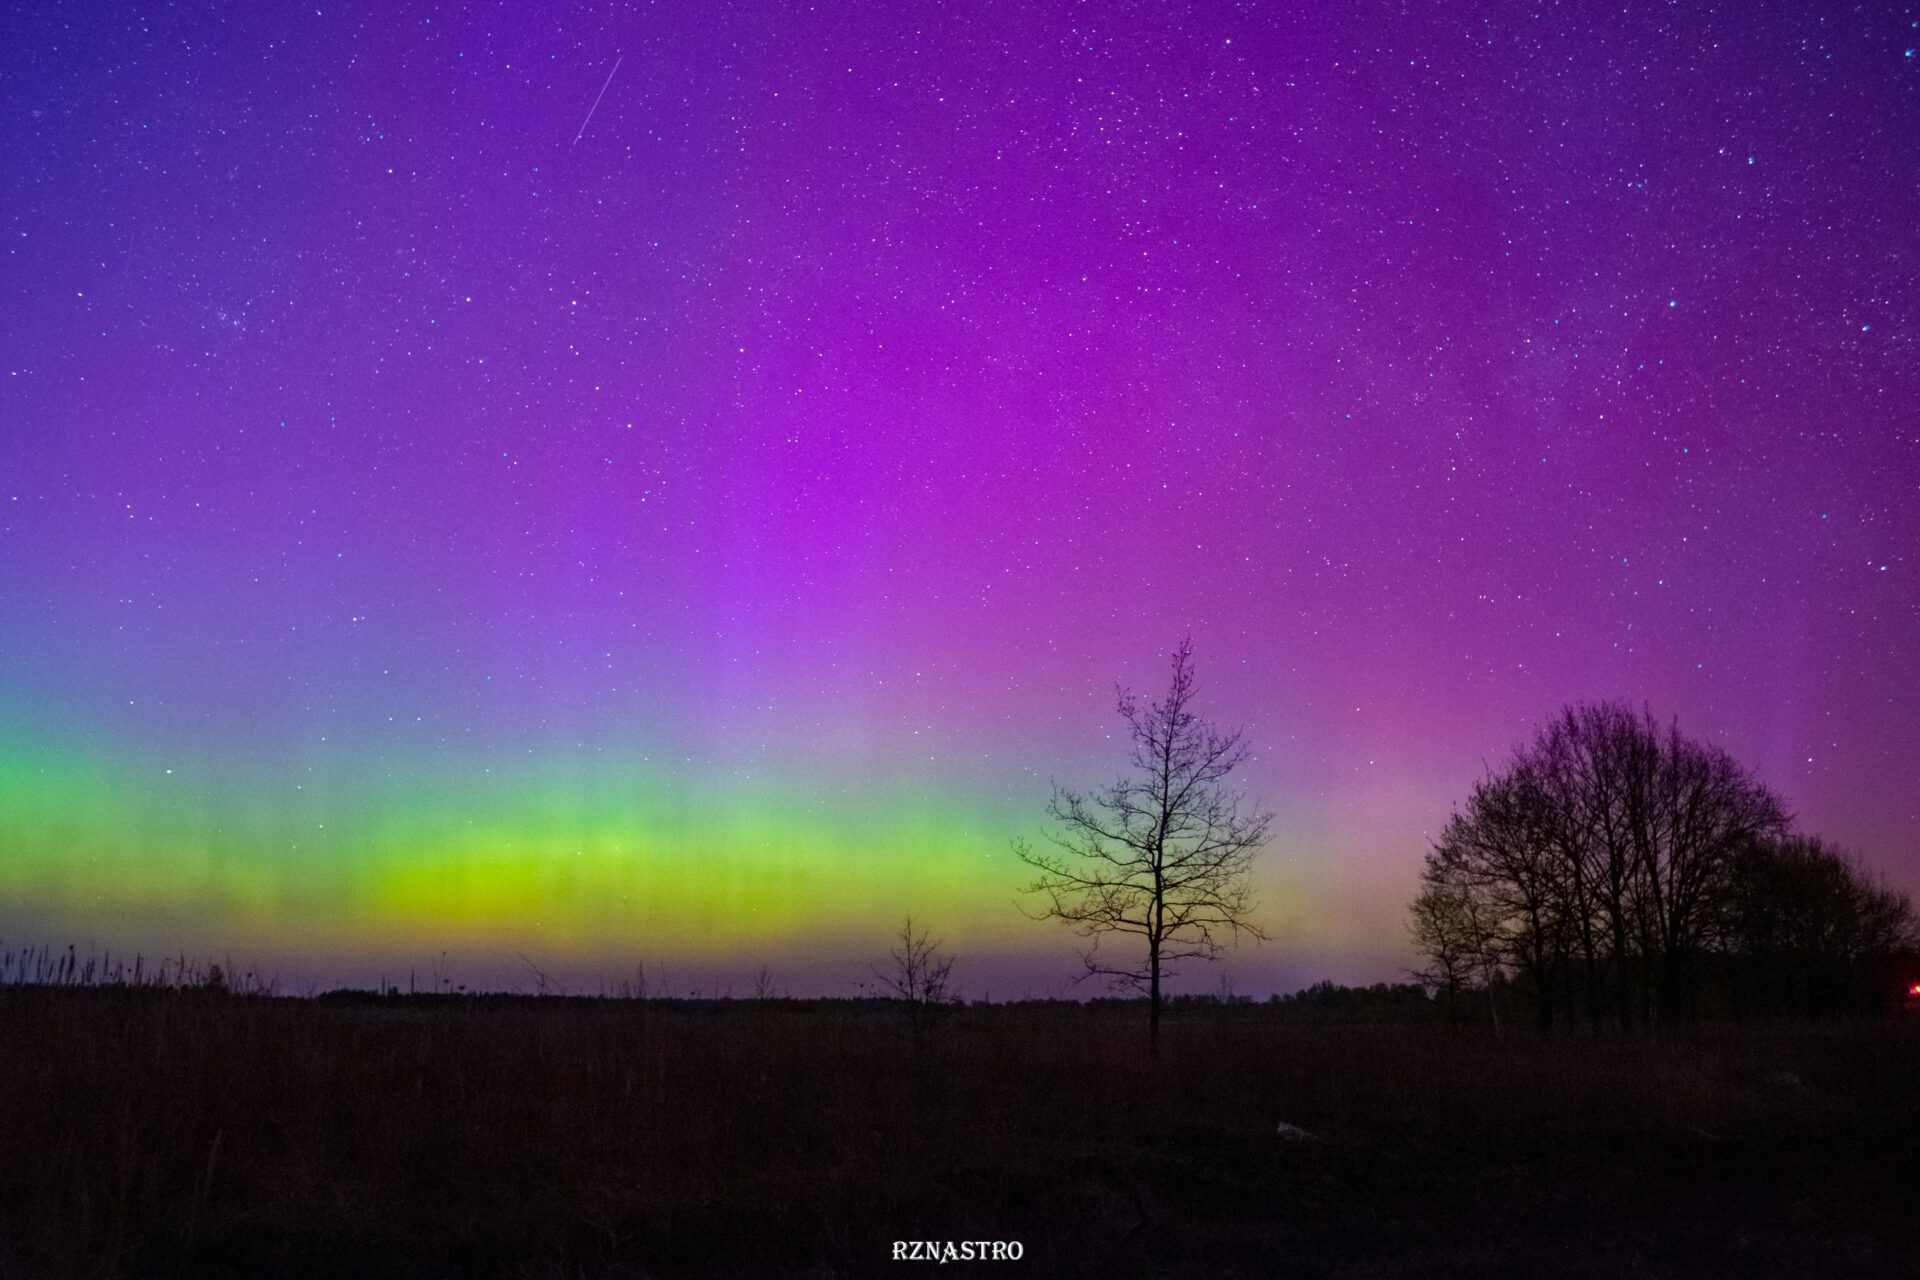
[{"x": 1617, "y": 872}]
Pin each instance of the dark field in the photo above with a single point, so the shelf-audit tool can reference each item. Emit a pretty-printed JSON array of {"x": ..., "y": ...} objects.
[{"x": 157, "y": 1133}]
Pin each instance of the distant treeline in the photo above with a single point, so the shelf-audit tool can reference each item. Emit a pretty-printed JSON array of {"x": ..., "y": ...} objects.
[
  {"x": 1617, "y": 873},
  {"x": 39, "y": 968},
  {"x": 1324, "y": 1002}
]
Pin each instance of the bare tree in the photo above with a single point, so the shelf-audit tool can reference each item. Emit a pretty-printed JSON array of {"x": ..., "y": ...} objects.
[
  {"x": 1458, "y": 925},
  {"x": 1163, "y": 854},
  {"x": 918, "y": 974},
  {"x": 1442, "y": 928},
  {"x": 1690, "y": 820}
]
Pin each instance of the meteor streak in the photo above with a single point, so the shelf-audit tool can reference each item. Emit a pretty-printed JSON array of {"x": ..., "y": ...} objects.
[{"x": 596, "y": 101}]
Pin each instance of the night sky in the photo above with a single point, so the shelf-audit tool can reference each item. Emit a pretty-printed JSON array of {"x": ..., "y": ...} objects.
[{"x": 677, "y": 481}]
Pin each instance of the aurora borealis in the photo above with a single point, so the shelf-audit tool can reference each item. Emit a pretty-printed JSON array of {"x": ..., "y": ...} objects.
[{"x": 432, "y": 519}]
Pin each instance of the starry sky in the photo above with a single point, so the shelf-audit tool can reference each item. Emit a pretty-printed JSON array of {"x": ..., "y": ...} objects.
[{"x": 678, "y": 480}]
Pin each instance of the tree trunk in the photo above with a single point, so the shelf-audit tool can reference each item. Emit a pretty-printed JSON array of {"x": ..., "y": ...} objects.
[
  {"x": 1543, "y": 970},
  {"x": 1153, "y": 996},
  {"x": 1590, "y": 956},
  {"x": 1622, "y": 979}
]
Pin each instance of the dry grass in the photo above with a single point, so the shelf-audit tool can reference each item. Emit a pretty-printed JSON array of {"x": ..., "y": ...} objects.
[{"x": 179, "y": 1132}]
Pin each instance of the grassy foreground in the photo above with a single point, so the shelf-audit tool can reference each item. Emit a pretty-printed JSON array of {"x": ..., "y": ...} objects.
[{"x": 184, "y": 1133}]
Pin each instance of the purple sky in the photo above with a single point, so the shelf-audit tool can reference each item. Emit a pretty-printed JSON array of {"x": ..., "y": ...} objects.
[{"x": 830, "y": 420}]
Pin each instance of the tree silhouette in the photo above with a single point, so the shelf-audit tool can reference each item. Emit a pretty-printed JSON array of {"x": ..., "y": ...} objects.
[
  {"x": 1496, "y": 870},
  {"x": 1162, "y": 854},
  {"x": 918, "y": 974},
  {"x": 1451, "y": 927}
]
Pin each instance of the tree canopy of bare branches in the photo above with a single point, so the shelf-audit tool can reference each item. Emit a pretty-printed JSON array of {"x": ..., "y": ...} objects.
[
  {"x": 919, "y": 973},
  {"x": 1154, "y": 868},
  {"x": 1610, "y": 864}
]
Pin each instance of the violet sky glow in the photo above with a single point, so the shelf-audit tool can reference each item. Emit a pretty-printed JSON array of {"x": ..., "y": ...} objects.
[{"x": 432, "y": 519}]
